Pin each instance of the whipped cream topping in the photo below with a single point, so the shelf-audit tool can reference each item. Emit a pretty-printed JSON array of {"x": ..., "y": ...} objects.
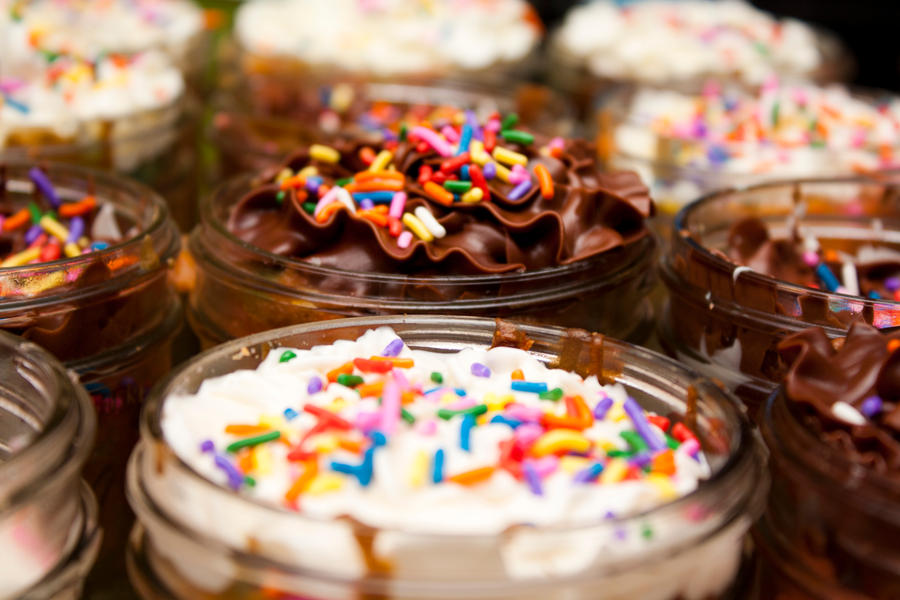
[
  {"x": 469, "y": 449},
  {"x": 662, "y": 41},
  {"x": 390, "y": 37}
]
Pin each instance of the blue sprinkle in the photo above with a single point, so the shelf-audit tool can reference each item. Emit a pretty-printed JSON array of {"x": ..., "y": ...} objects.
[
  {"x": 437, "y": 467},
  {"x": 99, "y": 246},
  {"x": 393, "y": 349},
  {"x": 532, "y": 478},
  {"x": 378, "y": 197},
  {"x": 830, "y": 282},
  {"x": 378, "y": 438},
  {"x": 480, "y": 370},
  {"x": 22, "y": 108},
  {"x": 874, "y": 295},
  {"x": 207, "y": 446},
  {"x": 506, "y": 421},
  {"x": 314, "y": 386},
  {"x": 460, "y": 392},
  {"x": 871, "y": 406},
  {"x": 290, "y": 414},
  {"x": 589, "y": 474},
  {"x": 602, "y": 408},
  {"x": 464, "y": 173},
  {"x": 465, "y": 432},
  {"x": 465, "y": 138},
  {"x": 528, "y": 386}
]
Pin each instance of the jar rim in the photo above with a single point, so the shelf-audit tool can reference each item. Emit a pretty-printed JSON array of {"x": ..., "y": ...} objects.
[{"x": 743, "y": 453}]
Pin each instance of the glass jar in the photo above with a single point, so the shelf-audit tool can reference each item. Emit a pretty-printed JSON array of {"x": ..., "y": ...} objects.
[
  {"x": 256, "y": 128},
  {"x": 831, "y": 526},
  {"x": 241, "y": 289},
  {"x": 725, "y": 320},
  {"x": 48, "y": 515},
  {"x": 113, "y": 323},
  {"x": 176, "y": 551}
]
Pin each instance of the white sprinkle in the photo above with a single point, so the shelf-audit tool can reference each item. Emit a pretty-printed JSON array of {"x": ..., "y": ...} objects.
[
  {"x": 737, "y": 272},
  {"x": 344, "y": 197},
  {"x": 430, "y": 223},
  {"x": 850, "y": 278},
  {"x": 847, "y": 413},
  {"x": 105, "y": 226}
]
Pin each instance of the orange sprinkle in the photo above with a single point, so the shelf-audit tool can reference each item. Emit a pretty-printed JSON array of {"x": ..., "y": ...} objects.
[
  {"x": 245, "y": 460},
  {"x": 17, "y": 220},
  {"x": 374, "y": 175},
  {"x": 473, "y": 477},
  {"x": 893, "y": 345},
  {"x": 584, "y": 411},
  {"x": 295, "y": 181},
  {"x": 238, "y": 429},
  {"x": 375, "y": 185},
  {"x": 544, "y": 180},
  {"x": 310, "y": 470},
  {"x": 370, "y": 215},
  {"x": 73, "y": 209},
  {"x": 121, "y": 262},
  {"x": 400, "y": 363},
  {"x": 408, "y": 397},
  {"x": 517, "y": 375},
  {"x": 664, "y": 463},
  {"x": 438, "y": 193},
  {"x": 349, "y": 445},
  {"x": 367, "y": 390},
  {"x": 344, "y": 369},
  {"x": 381, "y": 209},
  {"x": 329, "y": 210}
]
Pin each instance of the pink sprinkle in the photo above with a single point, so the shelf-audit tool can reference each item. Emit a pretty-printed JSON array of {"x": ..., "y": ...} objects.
[
  {"x": 390, "y": 406},
  {"x": 545, "y": 466},
  {"x": 436, "y": 393},
  {"x": 771, "y": 83},
  {"x": 431, "y": 137},
  {"x": 493, "y": 125},
  {"x": 367, "y": 421},
  {"x": 426, "y": 427},
  {"x": 810, "y": 258},
  {"x": 858, "y": 139},
  {"x": 461, "y": 404},
  {"x": 404, "y": 239},
  {"x": 557, "y": 142},
  {"x": 398, "y": 203},
  {"x": 327, "y": 199},
  {"x": 520, "y": 412},
  {"x": 711, "y": 89},
  {"x": 450, "y": 133},
  {"x": 691, "y": 446},
  {"x": 400, "y": 378},
  {"x": 800, "y": 97},
  {"x": 527, "y": 434}
]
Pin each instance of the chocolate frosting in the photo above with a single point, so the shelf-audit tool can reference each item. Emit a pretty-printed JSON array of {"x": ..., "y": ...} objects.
[
  {"x": 590, "y": 213},
  {"x": 851, "y": 370}
]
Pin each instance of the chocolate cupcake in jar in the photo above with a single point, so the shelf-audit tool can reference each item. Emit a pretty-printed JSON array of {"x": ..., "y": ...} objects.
[
  {"x": 834, "y": 437},
  {"x": 500, "y": 463},
  {"x": 73, "y": 101},
  {"x": 84, "y": 273},
  {"x": 462, "y": 214}
]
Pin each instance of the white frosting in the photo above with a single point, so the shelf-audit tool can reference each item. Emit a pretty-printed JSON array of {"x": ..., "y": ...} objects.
[
  {"x": 664, "y": 41},
  {"x": 481, "y": 521},
  {"x": 389, "y": 37}
]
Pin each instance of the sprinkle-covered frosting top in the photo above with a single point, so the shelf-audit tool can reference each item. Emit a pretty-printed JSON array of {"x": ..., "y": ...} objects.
[
  {"x": 665, "y": 41},
  {"x": 459, "y": 193},
  {"x": 391, "y": 37},
  {"x": 470, "y": 442}
]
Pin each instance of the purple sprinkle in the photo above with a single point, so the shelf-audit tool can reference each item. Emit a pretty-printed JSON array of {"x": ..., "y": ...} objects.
[
  {"x": 871, "y": 406},
  {"x": 313, "y": 183},
  {"x": 892, "y": 284},
  {"x": 33, "y": 233},
  {"x": 394, "y": 348},
  {"x": 636, "y": 413},
  {"x": 76, "y": 229},
  {"x": 207, "y": 446},
  {"x": 717, "y": 155},
  {"x": 602, "y": 408},
  {"x": 366, "y": 204},
  {"x": 520, "y": 190},
  {"x": 43, "y": 184},
  {"x": 314, "y": 386},
  {"x": 490, "y": 170},
  {"x": 532, "y": 478},
  {"x": 480, "y": 370},
  {"x": 589, "y": 474},
  {"x": 472, "y": 120},
  {"x": 620, "y": 533},
  {"x": 641, "y": 459},
  {"x": 235, "y": 479}
]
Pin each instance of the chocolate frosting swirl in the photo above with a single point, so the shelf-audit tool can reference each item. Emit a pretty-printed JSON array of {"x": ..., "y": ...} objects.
[
  {"x": 590, "y": 212},
  {"x": 852, "y": 370}
]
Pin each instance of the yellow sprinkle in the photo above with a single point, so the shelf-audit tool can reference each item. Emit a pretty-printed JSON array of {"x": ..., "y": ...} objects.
[
  {"x": 271, "y": 421},
  {"x": 449, "y": 397},
  {"x": 560, "y": 439},
  {"x": 84, "y": 242},
  {"x": 573, "y": 464},
  {"x": 459, "y": 118},
  {"x": 54, "y": 228},
  {"x": 337, "y": 405},
  {"x": 503, "y": 173},
  {"x": 614, "y": 472},
  {"x": 283, "y": 175},
  {"x": 324, "y": 153},
  {"x": 22, "y": 258},
  {"x": 341, "y": 97},
  {"x": 417, "y": 227},
  {"x": 508, "y": 157},
  {"x": 419, "y": 469},
  {"x": 663, "y": 485},
  {"x": 72, "y": 250},
  {"x": 308, "y": 171},
  {"x": 480, "y": 157},
  {"x": 325, "y": 444},
  {"x": 325, "y": 482},
  {"x": 473, "y": 195},
  {"x": 606, "y": 445},
  {"x": 493, "y": 402},
  {"x": 381, "y": 161},
  {"x": 37, "y": 284},
  {"x": 616, "y": 413},
  {"x": 261, "y": 458}
]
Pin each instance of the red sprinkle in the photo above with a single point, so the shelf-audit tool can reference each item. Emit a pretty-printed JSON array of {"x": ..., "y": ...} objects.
[
  {"x": 424, "y": 174},
  {"x": 661, "y": 422},
  {"x": 395, "y": 227},
  {"x": 490, "y": 140},
  {"x": 479, "y": 181},
  {"x": 372, "y": 366},
  {"x": 50, "y": 252},
  {"x": 422, "y": 147},
  {"x": 682, "y": 433},
  {"x": 451, "y": 165},
  {"x": 328, "y": 418}
]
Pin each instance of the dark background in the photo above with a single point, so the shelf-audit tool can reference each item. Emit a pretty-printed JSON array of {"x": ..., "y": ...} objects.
[{"x": 869, "y": 28}]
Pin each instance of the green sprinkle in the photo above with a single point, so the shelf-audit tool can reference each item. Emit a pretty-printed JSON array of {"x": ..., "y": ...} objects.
[
  {"x": 776, "y": 107},
  {"x": 35, "y": 212},
  {"x": 279, "y": 197},
  {"x": 813, "y": 124},
  {"x": 517, "y": 137},
  {"x": 509, "y": 121},
  {"x": 646, "y": 531},
  {"x": 555, "y": 394},
  {"x": 349, "y": 380},
  {"x": 309, "y": 207},
  {"x": 402, "y": 135},
  {"x": 253, "y": 441},
  {"x": 343, "y": 182},
  {"x": 618, "y": 454},
  {"x": 458, "y": 187},
  {"x": 407, "y": 416},
  {"x": 817, "y": 144},
  {"x": 250, "y": 481},
  {"x": 286, "y": 356},
  {"x": 761, "y": 48},
  {"x": 447, "y": 414},
  {"x": 672, "y": 442},
  {"x": 634, "y": 440},
  {"x": 437, "y": 377}
]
